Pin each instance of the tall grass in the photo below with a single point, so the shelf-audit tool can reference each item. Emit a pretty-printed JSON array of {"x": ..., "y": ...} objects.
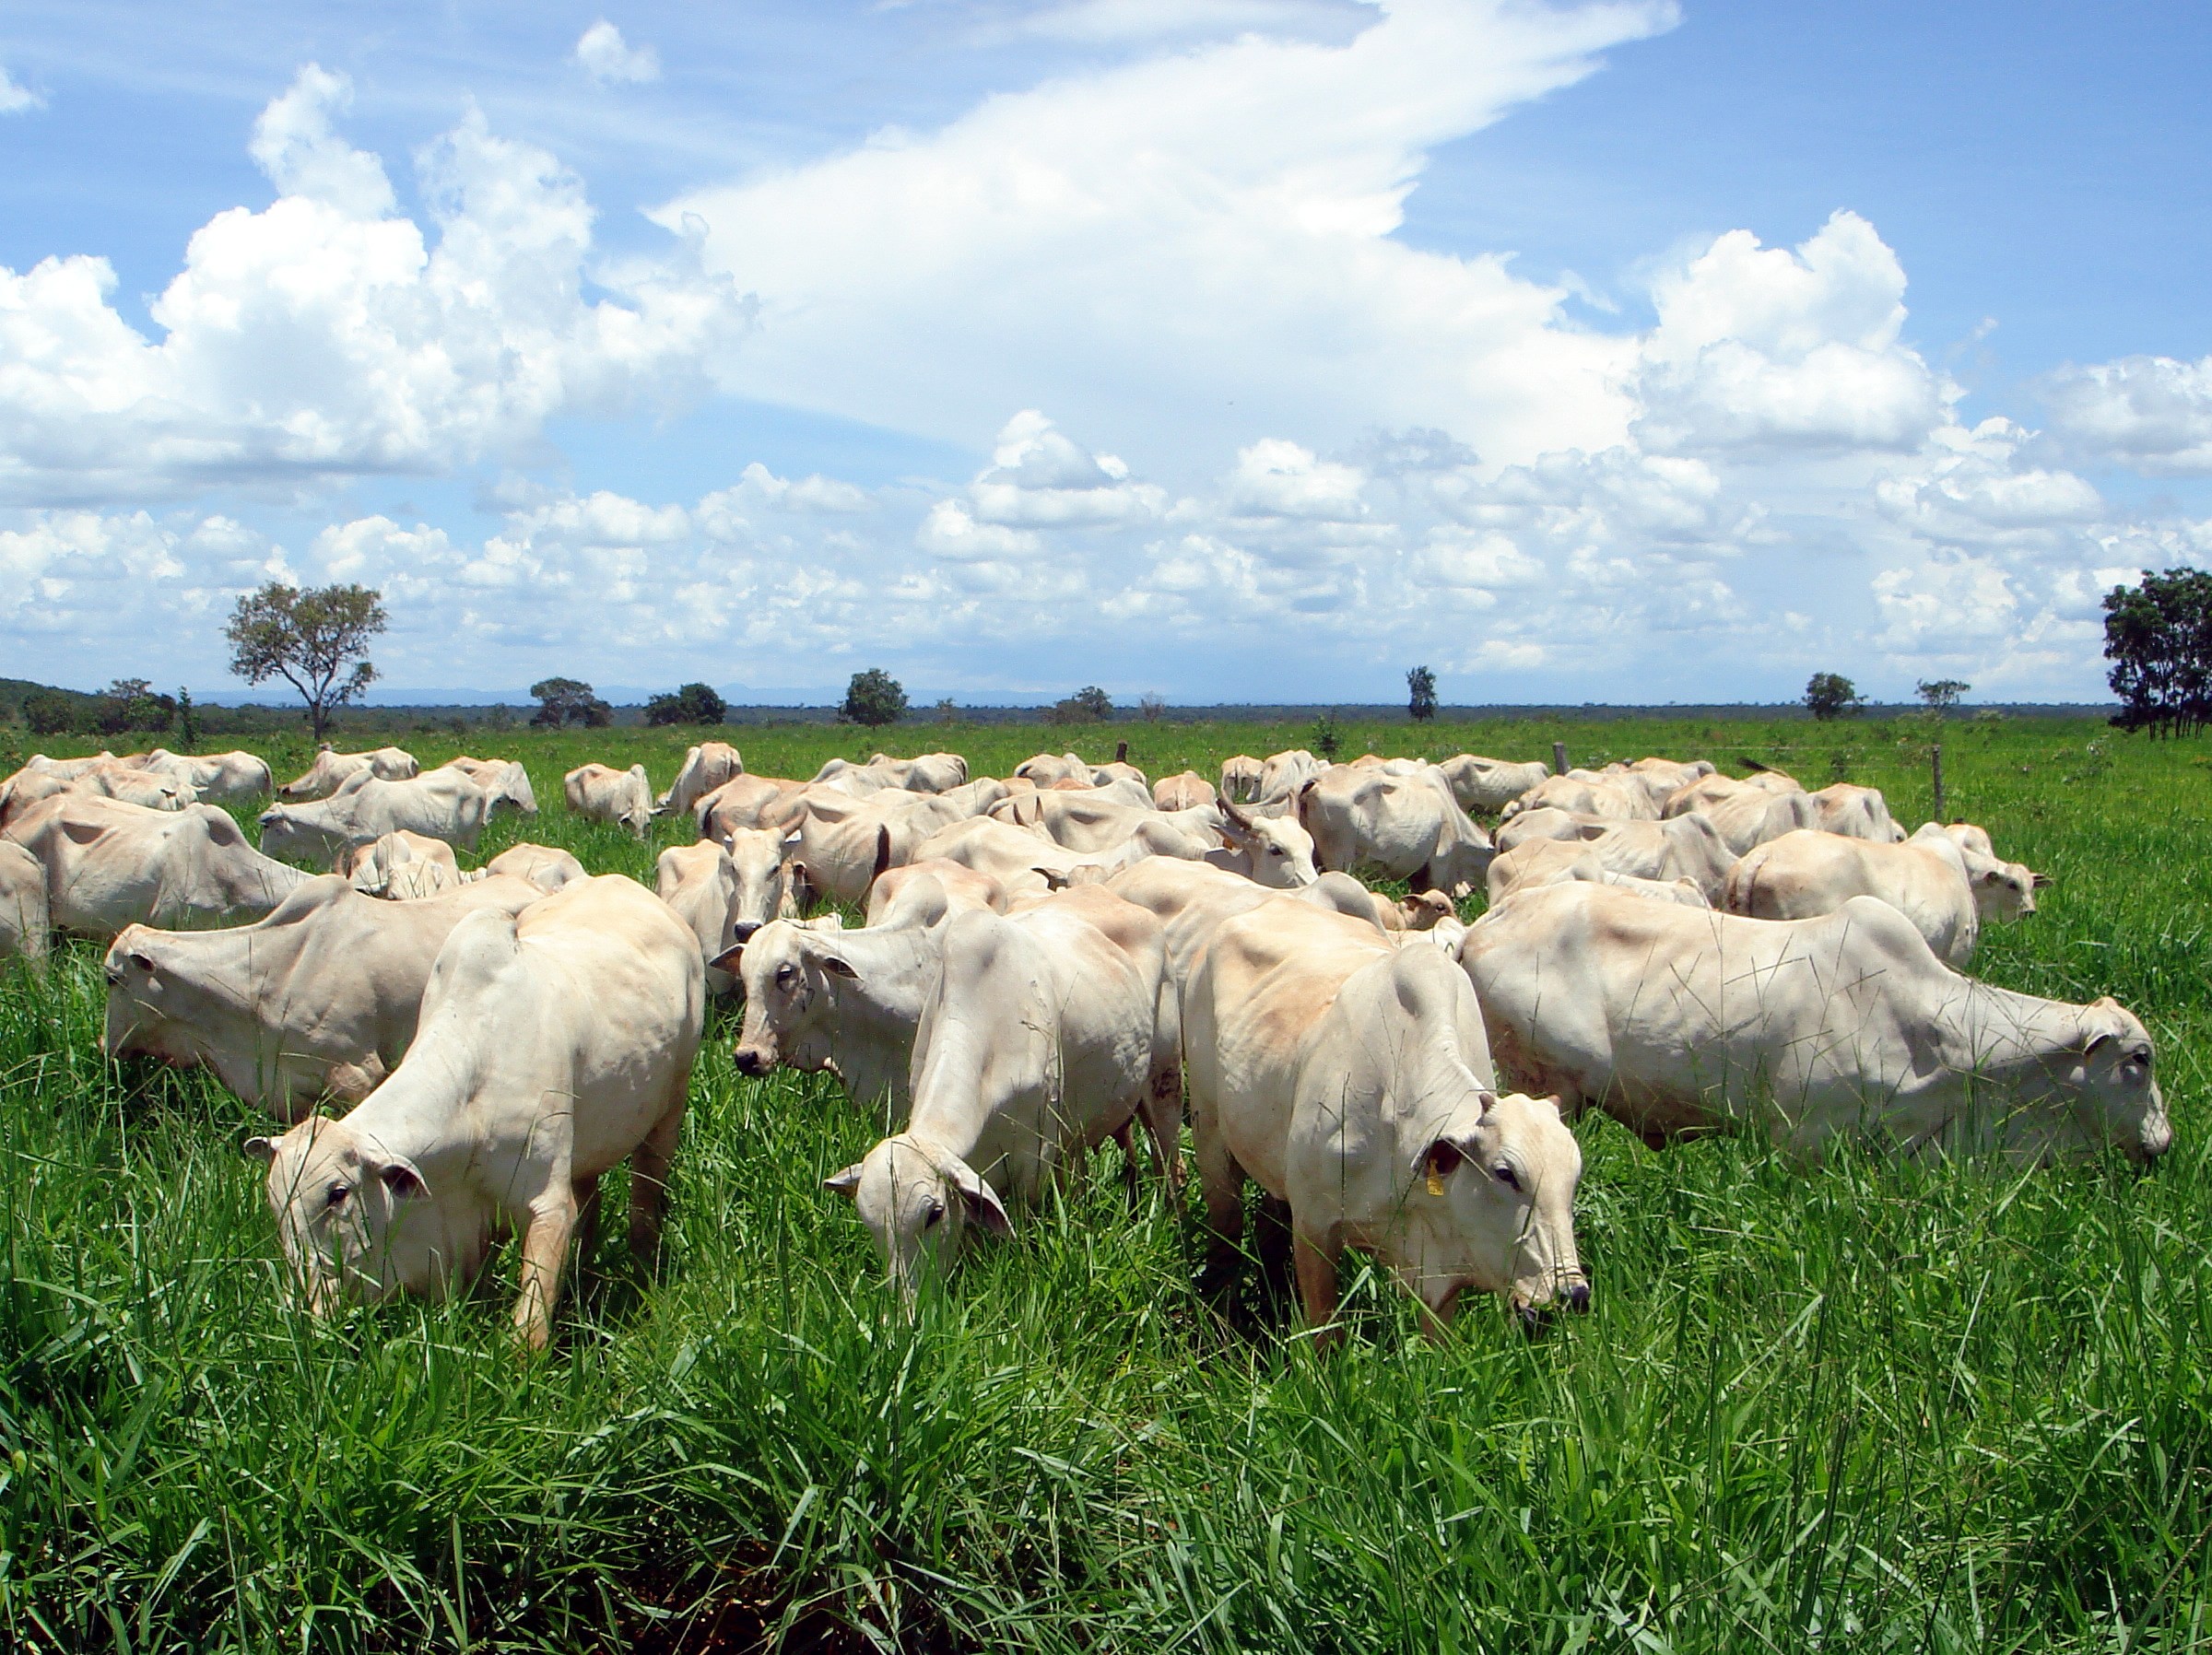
[{"x": 1882, "y": 1406}]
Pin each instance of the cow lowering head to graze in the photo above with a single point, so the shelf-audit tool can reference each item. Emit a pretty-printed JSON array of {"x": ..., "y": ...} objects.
[
  {"x": 1676, "y": 1022},
  {"x": 1856, "y": 813},
  {"x": 1539, "y": 862},
  {"x": 1241, "y": 777},
  {"x": 1409, "y": 827},
  {"x": 1680, "y": 848},
  {"x": 552, "y": 1046},
  {"x": 698, "y": 882},
  {"x": 1046, "y": 1032},
  {"x": 443, "y": 805},
  {"x": 1948, "y": 893},
  {"x": 24, "y": 919},
  {"x": 333, "y": 770},
  {"x": 505, "y": 782},
  {"x": 317, "y": 1000},
  {"x": 218, "y": 778},
  {"x": 1488, "y": 785},
  {"x": 373, "y": 865},
  {"x": 1187, "y": 790},
  {"x": 705, "y": 768},
  {"x": 1351, "y": 1078},
  {"x": 545, "y": 866},
  {"x": 110, "y": 865},
  {"x": 606, "y": 794},
  {"x": 1282, "y": 774}
]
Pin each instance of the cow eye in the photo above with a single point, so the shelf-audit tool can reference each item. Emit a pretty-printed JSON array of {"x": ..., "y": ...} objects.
[
  {"x": 934, "y": 1215},
  {"x": 338, "y": 1193},
  {"x": 1506, "y": 1176},
  {"x": 784, "y": 976},
  {"x": 2142, "y": 1055}
]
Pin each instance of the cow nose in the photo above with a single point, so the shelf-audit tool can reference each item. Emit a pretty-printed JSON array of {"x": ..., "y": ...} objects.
[
  {"x": 1535, "y": 1320},
  {"x": 1578, "y": 1298},
  {"x": 744, "y": 930},
  {"x": 750, "y": 1060}
]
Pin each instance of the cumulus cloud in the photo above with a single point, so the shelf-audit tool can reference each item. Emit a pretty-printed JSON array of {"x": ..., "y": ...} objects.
[
  {"x": 324, "y": 336},
  {"x": 2153, "y": 414},
  {"x": 1038, "y": 474},
  {"x": 15, "y": 97},
  {"x": 601, "y": 54}
]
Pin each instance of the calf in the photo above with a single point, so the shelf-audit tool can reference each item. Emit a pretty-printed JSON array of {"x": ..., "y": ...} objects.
[
  {"x": 552, "y": 1046},
  {"x": 603, "y": 794}
]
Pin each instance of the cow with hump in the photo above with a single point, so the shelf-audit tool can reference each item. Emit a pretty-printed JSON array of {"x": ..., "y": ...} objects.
[
  {"x": 317, "y": 1001},
  {"x": 443, "y": 805},
  {"x": 1351, "y": 1078},
  {"x": 1046, "y": 1032},
  {"x": 110, "y": 865},
  {"x": 605, "y": 795},
  {"x": 333, "y": 770},
  {"x": 1676, "y": 1021},
  {"x": 552, "y": 1046}
]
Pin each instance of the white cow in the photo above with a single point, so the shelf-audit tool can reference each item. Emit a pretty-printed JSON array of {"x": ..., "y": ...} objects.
[
  {"x": 1488, "y": 785},
  {"x": 742, "y": 803},
  {"x": 1351, "y": 1078},
  {"x": 605, "y": 795},
  {"x": 1047, "y": 1032},
  {"x": 443, "y": 805},
  {"x": 1046, "y": 769},
  {"x": 24, "y": 919},
  {"x": 1754, "y": 815},
  {"x": 420, "y": 865},
  {"x": 843, "y": 847},
  {"x": 1676, "y": 1021},
  {"x": 218, "y": 778},
  {"x": 110, "y": 865},
  {"x": 1240, "y": 776},
  {"x": 504, "y": 782},
  {"x": 1540, "y": 861},
  {"x": 552, "y": 1046},
  {"x": 699, "y": 882},
  {"x": 149, "y": 790},
  {"x": 925, "y": 892},
  {"x": 333, "y": 770},
  {"x": 1618, "y": 795},
  {"x": 1857, "y": 812},
  {"x": 1946, "y": 892},
  {"x": 1282, "y": 774},
  {"x": 705, "y": 768},
  {"x": 1186, "y": 790},
  {"x": 1680, "y": 848},
  {"x": 1411, "y": 827},
  {"x": 317, "y": 1000}
]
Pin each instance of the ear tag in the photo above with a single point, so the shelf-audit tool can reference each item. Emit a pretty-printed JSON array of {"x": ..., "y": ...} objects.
[{"x": 1436, "y": 1181}]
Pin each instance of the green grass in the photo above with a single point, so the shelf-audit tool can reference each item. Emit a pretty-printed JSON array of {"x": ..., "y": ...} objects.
[{"x": 1881, "y": 1406}]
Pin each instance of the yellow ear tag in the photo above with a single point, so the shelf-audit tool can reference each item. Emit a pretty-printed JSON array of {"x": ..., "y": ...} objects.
[{"x": 1436, "y": 1181}]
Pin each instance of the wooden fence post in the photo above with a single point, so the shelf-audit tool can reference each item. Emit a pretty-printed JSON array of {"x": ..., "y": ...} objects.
[{"x": 1558, "y": 759}]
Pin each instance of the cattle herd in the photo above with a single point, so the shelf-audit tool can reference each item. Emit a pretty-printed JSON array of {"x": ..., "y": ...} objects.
[{"x": 1047, "y": 962}]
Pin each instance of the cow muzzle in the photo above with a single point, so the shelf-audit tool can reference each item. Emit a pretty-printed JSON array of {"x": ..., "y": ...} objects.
[{"x": 753, "y": 1060}]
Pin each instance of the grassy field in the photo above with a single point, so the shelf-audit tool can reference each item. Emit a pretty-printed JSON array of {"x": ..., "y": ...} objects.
[{"x": 1879, "y": 1407}]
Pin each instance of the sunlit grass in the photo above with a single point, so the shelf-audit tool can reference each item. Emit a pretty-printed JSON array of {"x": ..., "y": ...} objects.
[{"x": 1883, "y": 1406}]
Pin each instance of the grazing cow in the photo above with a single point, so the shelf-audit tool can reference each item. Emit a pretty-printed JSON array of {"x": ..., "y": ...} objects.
[
  {"x": 1948, "y": 893},
  {"x": 1676, "y": 1022},
  {"x": 1409, "y": 827},
  {"x": 1187, "y": 790},
  {"x": 1045, "y": 1033},
  {"x": 841, "y": 849},
  {"x": 110, "y": 865},
  {"x": 1618, "y": 797},
  {"x": 317, "y": 1000},
  {"x": 743, "y": 801},
  {"x": 218, "y": 778},
  {"x": 1241, "y": 777},
  {"x": 67, "y": 769},
  {"x": 606, "y": 794},
  {"x": 552, "y": 1045},
  {"x": 375, "y": 865},
  {"x": 705, "y": 768},
  {"x": 545, "y": 866},
  {"x": 1754, "y": 815},
  {"x": 1540, "y": 861},
  {"x": 443, "y": 805},
  {"x": 24, "y": 919},
  {"x": 925, "y": 892},
  {"x": 1351, "y": 1078},
  {"x": 1856, "y": 812},
  {"x": 1489, "y": 784},
  {"x": 1044, "y": 768},
  {"x": 699, "y": 882},
  {"x": 333, "y": 770},
  {"x": 1665, "y": 777},
  {"x": 1117, "y": 769},
  {"x": 1024, "y": 862},
  {"x": 504, "y": 782},
  {"x": 1968, "y": 836},
  {"x": 1680, "y": 848},
  {"x": 1087, "y": 821},
  {"x": 1282, "y": 774}
]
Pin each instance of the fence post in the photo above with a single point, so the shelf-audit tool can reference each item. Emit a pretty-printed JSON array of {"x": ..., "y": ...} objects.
[
  {"x": 1936, "y": 755},
  {"x": 1558, "y": 759}
]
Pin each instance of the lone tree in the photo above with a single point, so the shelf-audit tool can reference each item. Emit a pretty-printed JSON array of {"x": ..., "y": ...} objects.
[
  {"x": 1420, "y": 695},
  {"x": 2158, "y": 638},
  {"x": 315, "y": 639},
  {"x": 873, "y": 699},
  {"x": 568, "y": 701},
  {"x": 1089, "y": 705},
  {"x": 1831, "y": 695},
  {"x": 1940, "y": 694},
  {"x": 693, "y": 704}
]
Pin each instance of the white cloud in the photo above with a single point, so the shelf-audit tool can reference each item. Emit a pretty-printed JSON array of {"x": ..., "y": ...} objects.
[
  {"x": 1107, "y": 22},
  {"x": 603, "y": 54},
  {"x": 322, "y": 336},
  {"x": 1277, "y": 478},
  {"x": 1037, "y": 475},
  {"x": 15, "y": 97},
  {"x": 2153, "y": 414}
]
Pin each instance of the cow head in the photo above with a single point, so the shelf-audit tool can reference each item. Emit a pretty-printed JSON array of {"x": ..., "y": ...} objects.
[
  {"x": 1279, "y": 850},
  {"x": 785, "y": 969},
  {"x": 1505, "y": 1171},
  {"x": 2003, "y": 890},
  {"x": 337, "y": 1198},
  {"x": 763, "y": 880},
  {"x": 138, "y": 1022},
  {"x": 918, "y": 1201},
  {"x": 2109, "y": 1071}
]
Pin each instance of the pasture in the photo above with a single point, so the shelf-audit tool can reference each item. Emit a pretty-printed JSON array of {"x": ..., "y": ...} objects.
[{"x": 1910, "y": 1406}]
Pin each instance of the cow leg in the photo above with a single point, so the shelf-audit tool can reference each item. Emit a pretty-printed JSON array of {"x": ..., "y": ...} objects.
[
  {"x": 587, "y": 1220},
  {"x": 1221, "y": 1186},
  {"x": 1317, "y": 1288},
  {"x": 1164, "y": 1119},
  {"x": 649, "y": 1164},
  {"x": 552, "y": 1219},
  {"x": 1437, "y": 1318},
  {"x": 1126, "y": 1139},
  {"x": 1272, "y": 1246}
]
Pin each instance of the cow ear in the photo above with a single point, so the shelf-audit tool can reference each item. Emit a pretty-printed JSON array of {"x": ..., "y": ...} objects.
[
  {"x": 846, "y": 1182},
  {"x": 2095, "y": 1041},
  {"x": 259, "y": 1149},
  {"x": 403, "y": 1178},
  {"x": 1053, "y": 881},
  {"x": 729, "y": 960},
  {"x": 143, "y": 963},
  {"x": 982, "y": 1203},
  {"x": 835, "y": 966}
]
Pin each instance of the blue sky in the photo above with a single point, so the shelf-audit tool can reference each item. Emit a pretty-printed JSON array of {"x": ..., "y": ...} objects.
[{"x": 1218, "y": 348}]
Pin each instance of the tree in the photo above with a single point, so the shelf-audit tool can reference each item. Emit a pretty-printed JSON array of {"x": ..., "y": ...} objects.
[
  {"x": 1941, "y": 694},
  {"x": 48, "y": 712},
  {"x": 693, "y": 704},
  {"x": 1420, "y": 695},
  {"x": 568, "y": 702},
  {"x": 873, "y": 699},
  {"x": 315, "y": 639},
  {"x": 1089, "y": 705},
  {"x": 1831, "y": 695},
  {"x": 131, "y": 704},
  {"x": 2158, "y": 638},
  {"x": 188, "y": 721},
  {"x": 1326, "y": 739}
]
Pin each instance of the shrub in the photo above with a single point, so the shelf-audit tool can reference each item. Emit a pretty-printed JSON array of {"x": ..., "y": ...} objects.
[
  {"x": 693, "y": 704},
  {"x": 873, "y": 699}
]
